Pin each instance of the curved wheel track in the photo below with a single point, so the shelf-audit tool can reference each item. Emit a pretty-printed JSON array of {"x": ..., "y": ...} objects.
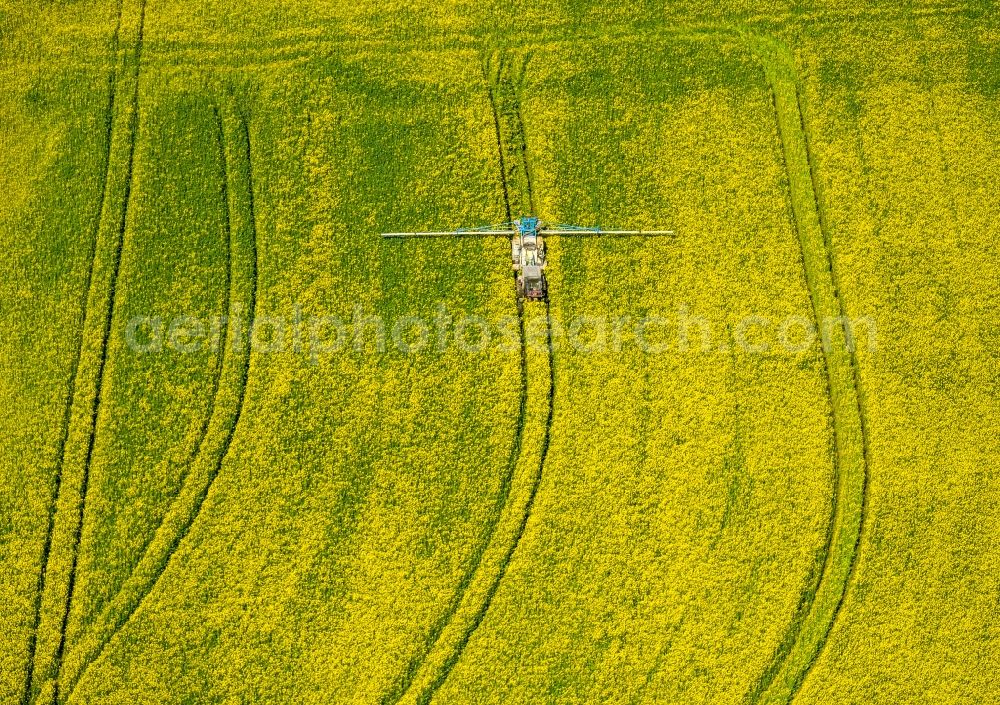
[
  {"x": 821, "y": 603},
  {"x": 476, "y": 592},
  {"x": 58, "y": 576},
  {"x": 226, "y": 411}
]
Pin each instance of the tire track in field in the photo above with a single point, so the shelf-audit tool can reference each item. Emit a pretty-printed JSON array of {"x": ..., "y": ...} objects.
[
  {"x": 58, "y": 578},
  {"x": 109, "y": 320},
  {"x": 490, "y": 81},
  {"x": 71, "y": 400},
  {"x": 477, "y": 590},
  {"x": 856, "y": 404},
  {"x": 425, "y": 697},
  {"x": 518, "y": 143},
  {"x": 198, "y": 445},
  {"x": 821, "y": 603},
  {"x": 289, "y": 49},
  {"x": 404, "y": 684},
  {"x": 292, "y": 46},
  {"x": 414, "y": 667},
  {"x": 240, "y": 219}
]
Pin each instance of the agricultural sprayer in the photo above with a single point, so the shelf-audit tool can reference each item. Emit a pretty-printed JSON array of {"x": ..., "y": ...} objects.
[{"x": 527, "y": 246}]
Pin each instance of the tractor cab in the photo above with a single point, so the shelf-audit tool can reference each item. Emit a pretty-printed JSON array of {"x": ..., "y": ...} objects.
[{"x": 531, "y": 284}]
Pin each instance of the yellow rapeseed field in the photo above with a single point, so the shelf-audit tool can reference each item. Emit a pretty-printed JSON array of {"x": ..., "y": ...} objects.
[{"x": 254, "y": 452}]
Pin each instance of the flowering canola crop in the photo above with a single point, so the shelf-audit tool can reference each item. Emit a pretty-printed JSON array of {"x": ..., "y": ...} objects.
[{"x": 255, "y": 453}]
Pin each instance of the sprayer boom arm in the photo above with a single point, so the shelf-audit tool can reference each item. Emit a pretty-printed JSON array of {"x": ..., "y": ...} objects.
[
  {"x": 597, "y": 232},
  {"x": 456, "y": 233}
]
